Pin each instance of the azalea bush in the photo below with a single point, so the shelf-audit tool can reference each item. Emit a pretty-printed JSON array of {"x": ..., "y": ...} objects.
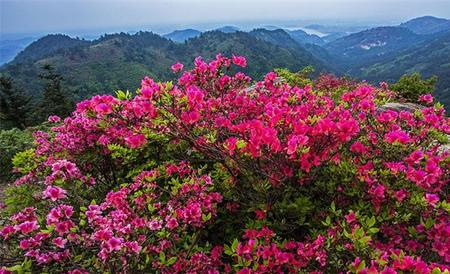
[{"x": 216, "y": 173}]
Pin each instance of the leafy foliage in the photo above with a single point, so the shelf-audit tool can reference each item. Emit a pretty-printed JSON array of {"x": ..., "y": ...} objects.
[
  {"x": 11, "y": 142},
  {"x": 411, "y": 87},
  {"x": 14, "y": 105}
]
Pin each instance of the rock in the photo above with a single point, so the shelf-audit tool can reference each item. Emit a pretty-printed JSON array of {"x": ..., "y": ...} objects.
[{"x": 411, "y": 107}]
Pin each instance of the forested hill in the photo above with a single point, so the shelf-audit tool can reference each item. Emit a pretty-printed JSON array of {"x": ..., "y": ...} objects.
[
  {"x": 119, "y": 61},
  {"x": 432, "y": 58}
]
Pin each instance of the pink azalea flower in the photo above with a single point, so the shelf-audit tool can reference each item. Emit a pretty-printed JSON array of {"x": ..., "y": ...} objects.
[
  {"x": 54, "y": 119},
  {"x": 27, "y": 227},
  {"x": 103, "y": 109},
  {"x": 400, "y": 195},
  {"x": 239, "y": 61},
  {"x": 59, "y": 242},
  {"x": 172, "y": 223},
  {"x": 136, "y": 141},
  {"x": 426, "y": 98},
  {"x": 177, "y": 67},
  {"x": 230, "y": 144},
  {"x": 432, "y": 199},
  {"x": 351, "y": 217},
  {"x": 54, "y": 193},
  {"x": 114, "y": 244},
  {"x": 399, "y": 136},
  {"x": 155, "y": 225}
]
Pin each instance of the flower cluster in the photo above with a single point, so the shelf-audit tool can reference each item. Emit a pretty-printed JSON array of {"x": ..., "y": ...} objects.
[{"x": 218, "y": 174}]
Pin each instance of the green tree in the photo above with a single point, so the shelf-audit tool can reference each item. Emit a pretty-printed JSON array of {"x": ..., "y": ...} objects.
[
  {"x": 300, "y": 78},
  {"x": 411, "y": 86},
  {"x": 14, "y": 105},
  {"x": 54, "y": 98}
]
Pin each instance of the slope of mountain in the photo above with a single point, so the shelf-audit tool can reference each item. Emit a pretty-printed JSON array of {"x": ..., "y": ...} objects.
[
  {"x": 283, "y": 38},
  {"x": 371, "y": 46},
  {"x": 431, "y": 58},
  {"x": 46, "y": 45},
  {"x": 333, "y": 36},
  {"x": 277, "y": 37},
  {"x": 182, "y": 35},
  {"x": 10, "y": 48},
  {"x": 119, "y": 61},
  {"x": 427, "y": 25},
  {"x": 304, "y": 38}
]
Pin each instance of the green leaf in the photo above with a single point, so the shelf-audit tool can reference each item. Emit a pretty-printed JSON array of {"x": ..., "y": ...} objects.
[
  {"x": 16, "y": 267},
  {"x": 206, "y": 218},
  {"x": 364, "y": 240},
  {"x": 371, "y": 221},
  {"x": 234, "y": 245},
  {"x": 162, "y": 257},
  {"x": 171, "y": 261}
]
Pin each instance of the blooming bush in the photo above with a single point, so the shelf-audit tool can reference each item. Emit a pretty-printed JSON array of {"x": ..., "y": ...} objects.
[{"x": 216, "y": 174}]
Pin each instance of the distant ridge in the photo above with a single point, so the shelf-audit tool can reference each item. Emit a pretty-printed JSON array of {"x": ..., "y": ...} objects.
[
  {"x": 119, "y": 61},
  {"x": 427, "y": 25},
  {"x": 227, "y": 29},
  {"x": 182, "y": 35},
  {"x": 48, "y": 45}
]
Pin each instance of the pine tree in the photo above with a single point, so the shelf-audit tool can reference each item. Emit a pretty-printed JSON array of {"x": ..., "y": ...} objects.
[
  {"x": 54, "y": 99},
  {"x": 14, "y": 105}
]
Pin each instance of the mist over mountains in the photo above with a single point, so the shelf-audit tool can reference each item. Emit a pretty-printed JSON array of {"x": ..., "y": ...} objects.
[{"x": 119, "y": 61}]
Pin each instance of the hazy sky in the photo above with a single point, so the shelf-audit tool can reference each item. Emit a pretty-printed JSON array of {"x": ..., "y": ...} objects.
[{"x": 27, "y": 16}]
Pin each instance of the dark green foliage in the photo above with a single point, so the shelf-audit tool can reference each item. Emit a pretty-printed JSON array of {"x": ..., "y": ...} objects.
[
  {"x": 14, "y": 105},
  {"x": 410, "y": 87},
  {"x": 54, "y": 98},
  {"x": 11, "y": 142},
  {"x": 300, "y": 78}
]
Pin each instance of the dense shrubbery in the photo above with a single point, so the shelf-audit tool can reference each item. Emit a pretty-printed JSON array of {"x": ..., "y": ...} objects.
[
  {"x": 217, "y": 175},
  {"x": 11, "y": 142},
  {"x": 411, "y": 87}
]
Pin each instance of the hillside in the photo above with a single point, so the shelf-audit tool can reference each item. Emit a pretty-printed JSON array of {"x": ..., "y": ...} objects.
[
  {"x": 119, "y": 61},
  {"x": 47, "y": 45},
  {"x": 277, "y": 37},
  {"x": 432, "y": 58},
  {"x": 427, "y": 25},
  {"x": 372, "y": 45},
  {"x": 302, "y": 37}
]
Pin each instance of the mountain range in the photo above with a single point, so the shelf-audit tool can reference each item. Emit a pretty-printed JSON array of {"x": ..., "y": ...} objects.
[{"x": 119, "y": 61}]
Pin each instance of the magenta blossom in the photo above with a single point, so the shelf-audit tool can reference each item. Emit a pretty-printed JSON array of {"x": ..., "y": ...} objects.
[
  {"x": 136, "y": 141},
  {"x": 54, "y": 193},
  {"x": 239, "y": 61},
  {"x": 177, "y": 67},
  {"x": 426, "y": 98}
]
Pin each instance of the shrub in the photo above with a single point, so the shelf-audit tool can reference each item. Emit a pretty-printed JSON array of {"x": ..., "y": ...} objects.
[
  {"x": 11, "y": 142},
  {"x": 217, "y": 175},
  {"x": 411, "y": 86}
]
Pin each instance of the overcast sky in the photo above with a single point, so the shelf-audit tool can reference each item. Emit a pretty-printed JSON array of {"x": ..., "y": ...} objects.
[{"x": 27, "y": 16}]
